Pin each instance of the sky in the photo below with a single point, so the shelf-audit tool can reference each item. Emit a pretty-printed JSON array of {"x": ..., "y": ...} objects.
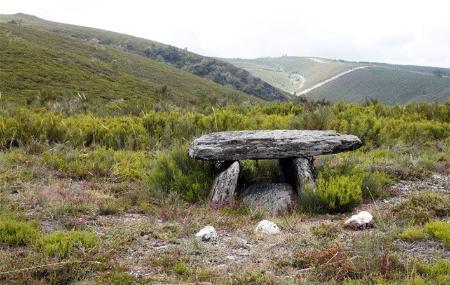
[{"x": 391, "y": 31}]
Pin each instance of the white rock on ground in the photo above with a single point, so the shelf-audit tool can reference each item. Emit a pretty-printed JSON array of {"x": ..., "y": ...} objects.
[
  {"x": 360, "y": 221},
  {"x": 207, "y": 233},
  {"x": 267, "y": 227}
]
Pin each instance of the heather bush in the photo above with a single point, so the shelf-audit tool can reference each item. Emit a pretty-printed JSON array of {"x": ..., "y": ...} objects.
[
  {"x": 62, "y": 243},
  {"x": 175, "y": 171}
]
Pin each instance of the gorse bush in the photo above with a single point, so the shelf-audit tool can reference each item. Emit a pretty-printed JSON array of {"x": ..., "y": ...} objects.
[{"x": 176, "y": 171}]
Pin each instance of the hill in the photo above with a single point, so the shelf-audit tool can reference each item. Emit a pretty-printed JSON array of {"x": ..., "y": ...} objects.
[
  {"x": 338, "y": 80},
  {"x": 210, "y": 68}
]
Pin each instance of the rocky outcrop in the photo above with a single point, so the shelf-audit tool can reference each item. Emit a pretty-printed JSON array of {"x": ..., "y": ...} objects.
[
  {"x": 275, "y": 198},
  {"x": 275, "y": 144}
]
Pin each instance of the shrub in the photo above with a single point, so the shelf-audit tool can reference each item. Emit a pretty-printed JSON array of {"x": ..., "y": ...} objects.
[
  {"x": 176, "y": 171},
  {"x": 121, "y": 165},
  {"x": 419, "y": 208},
  {"x": 373, "y": 185},
  {"x": 121, "y": 278},
  {"x": 439, "y": 230},
  {"x": 63, "y": 243},
  {"x": 326, "y": 230},
  {"x": 439, "y": 272},
  {"x": 251, "y": 278},
  {"x": 338, "y": 194},
  {"x": 110, "y": 207},
  {"x": 317, "y": 119},
  {"x": 413, "y": 233},
  {"x": 13, "y": 231}
]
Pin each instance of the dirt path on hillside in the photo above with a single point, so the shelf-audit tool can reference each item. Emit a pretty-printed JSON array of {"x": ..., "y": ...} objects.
[{"x": 326, "y": 81}]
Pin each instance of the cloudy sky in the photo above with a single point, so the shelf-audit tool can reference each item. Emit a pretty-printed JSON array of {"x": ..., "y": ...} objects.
[{"x": 407, "y": 32}]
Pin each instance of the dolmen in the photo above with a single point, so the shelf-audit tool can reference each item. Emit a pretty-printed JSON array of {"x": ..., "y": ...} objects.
[{"x": 294, "y": 149}]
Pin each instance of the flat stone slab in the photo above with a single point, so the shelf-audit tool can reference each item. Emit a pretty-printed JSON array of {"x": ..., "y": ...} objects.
[
  {"x": 276, "y": 198},
  {"x": 273, "y": 144}
]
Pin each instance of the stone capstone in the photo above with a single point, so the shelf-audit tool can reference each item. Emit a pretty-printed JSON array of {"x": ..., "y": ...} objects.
[
  {"x": 276, "y": 198},
  {"x": 274, "y": 144}
]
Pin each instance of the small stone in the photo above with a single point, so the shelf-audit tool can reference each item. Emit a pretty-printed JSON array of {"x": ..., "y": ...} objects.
[
  {"x": 362, "y": 220},
  {"x": 207, "y": 233},
  {"x": 267, "y": 227}
]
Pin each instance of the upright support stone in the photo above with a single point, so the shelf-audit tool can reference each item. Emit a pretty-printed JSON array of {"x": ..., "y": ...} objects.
[
  {"x": 298, "y": 172},
  {"x": 224, "y": 188}
]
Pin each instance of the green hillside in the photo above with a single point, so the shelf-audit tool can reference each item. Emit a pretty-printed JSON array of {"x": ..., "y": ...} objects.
[
  {"x": 336, "y": 80},
  {"x": 216, "y": 70},
  {"x": 291, "y": 73},
  {"x": 43, "y": 68},
  {"x": 387, "y": 85}
]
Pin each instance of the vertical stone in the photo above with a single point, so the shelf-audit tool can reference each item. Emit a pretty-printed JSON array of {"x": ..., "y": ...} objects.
[
  {"x": 224, "y": 188},
  {"x": 298, "y": 172}
]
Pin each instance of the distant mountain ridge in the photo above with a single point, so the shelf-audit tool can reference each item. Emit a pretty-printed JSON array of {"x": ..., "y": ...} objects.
[
  {"x": 338, "y": 80},
  {"x": 211, "y": 68}
]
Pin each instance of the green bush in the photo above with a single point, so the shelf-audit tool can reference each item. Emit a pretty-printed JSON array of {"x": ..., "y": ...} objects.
[
  {"x": 373, "y": 185},
  {"x": 121, "y": 165},
  {"x": 413, "y": 233},
  {"x": 317, "y": 119},
  {"x": 338, "y": 194},
  {"x": 63, "y": 243},
  {"x": 439, "y": 230},
  {"x": 420, "y": 208},
  {"x": 175, "y": 171},
  {"x": 13, "y": 231},
  {"x": 439, "y": 272}
]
